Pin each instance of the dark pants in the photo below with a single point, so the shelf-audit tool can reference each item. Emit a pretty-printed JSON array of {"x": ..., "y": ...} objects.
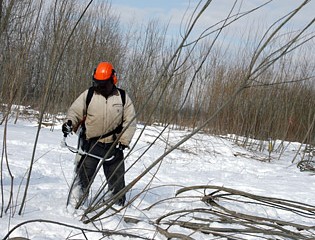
[{"x": 114, "y": 169}]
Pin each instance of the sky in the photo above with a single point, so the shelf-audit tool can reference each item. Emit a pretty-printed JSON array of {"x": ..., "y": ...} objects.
[{"x": 172, "y": 12}]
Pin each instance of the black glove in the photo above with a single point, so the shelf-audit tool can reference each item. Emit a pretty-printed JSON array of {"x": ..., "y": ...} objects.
[
  {"x": 122, "y": 146},
  {"x": 67, "y": 128}
]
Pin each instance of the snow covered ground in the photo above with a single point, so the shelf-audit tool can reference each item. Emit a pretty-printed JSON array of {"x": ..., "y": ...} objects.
[{"x": 202, "y": 160}]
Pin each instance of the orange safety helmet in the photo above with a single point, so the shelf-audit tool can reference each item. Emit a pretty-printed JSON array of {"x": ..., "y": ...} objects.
[{"x": 105, "y": 71}]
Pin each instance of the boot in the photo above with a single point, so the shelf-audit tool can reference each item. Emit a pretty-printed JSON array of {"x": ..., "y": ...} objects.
[
  {"x": 121, "y": 202},
  {"x": 76, "y": 195}
]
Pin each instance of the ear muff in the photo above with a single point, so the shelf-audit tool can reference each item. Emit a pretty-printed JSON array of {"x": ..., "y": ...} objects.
[
  {"x": 94, "y": 73},
  {"x": 115, "y": 80}
]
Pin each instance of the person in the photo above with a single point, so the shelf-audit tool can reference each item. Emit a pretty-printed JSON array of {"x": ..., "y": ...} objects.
[{"x": 108, "y": 111}]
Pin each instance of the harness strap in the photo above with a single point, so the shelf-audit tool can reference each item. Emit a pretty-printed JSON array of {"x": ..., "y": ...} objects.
[{"x": 116, "y": 130}]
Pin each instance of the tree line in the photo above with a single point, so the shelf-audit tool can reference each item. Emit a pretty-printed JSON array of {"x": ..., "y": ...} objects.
[{"x": 40, "y": 63}]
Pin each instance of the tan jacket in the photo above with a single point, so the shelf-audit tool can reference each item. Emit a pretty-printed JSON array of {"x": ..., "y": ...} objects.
[{"x": 104, "y": 115}]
